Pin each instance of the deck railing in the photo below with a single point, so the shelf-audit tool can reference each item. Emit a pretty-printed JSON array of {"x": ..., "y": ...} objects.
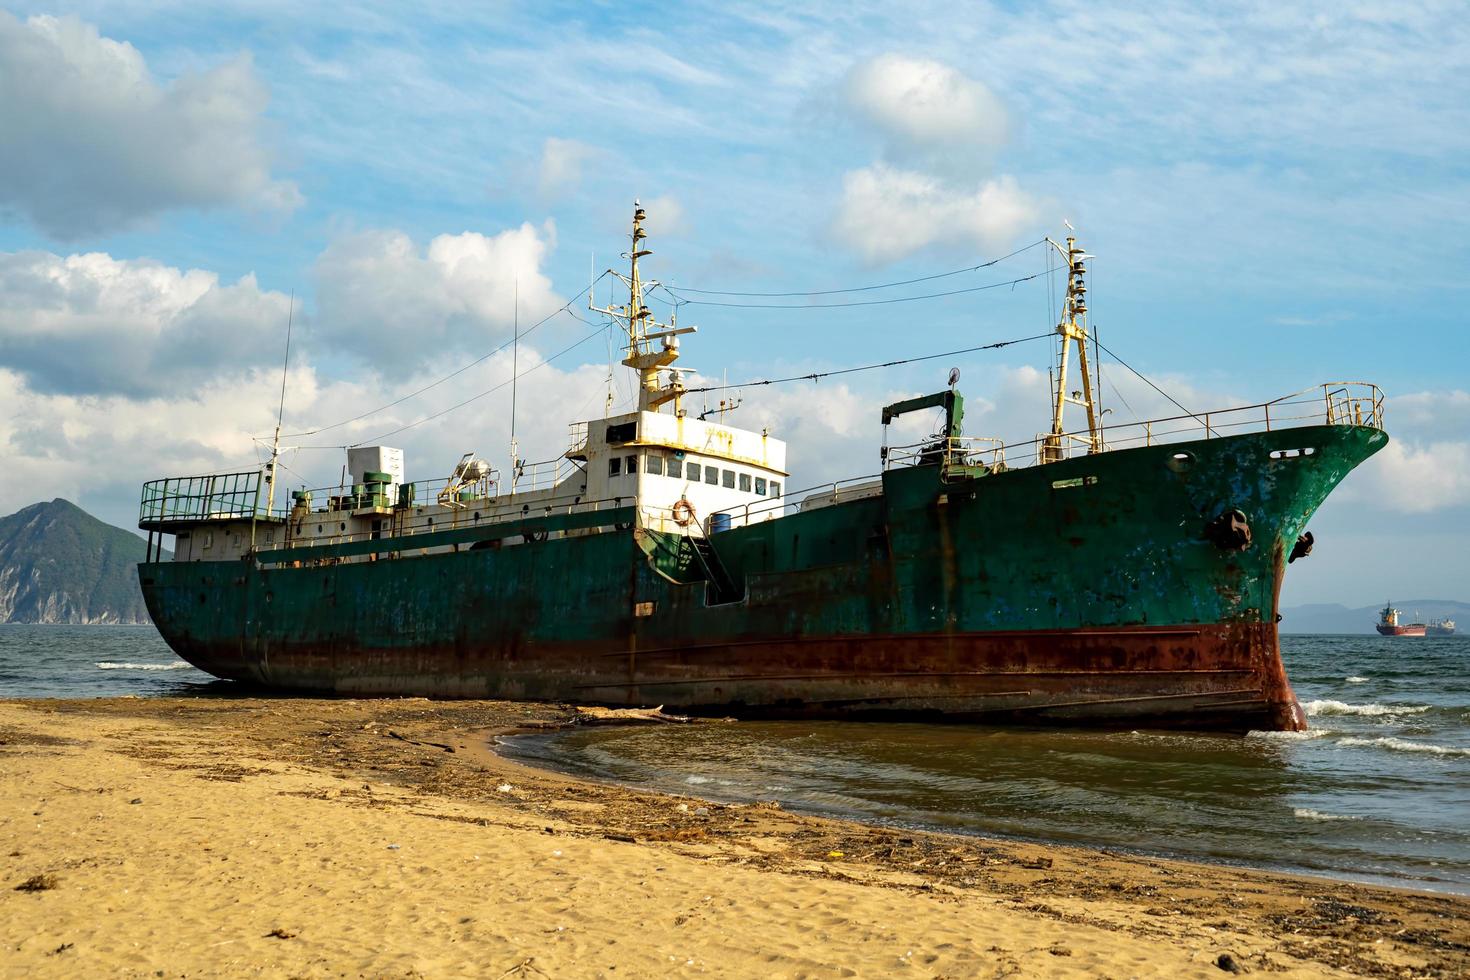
[
  {"x": 1338, "y": 403},
  {"x": 215, "y": 497}
]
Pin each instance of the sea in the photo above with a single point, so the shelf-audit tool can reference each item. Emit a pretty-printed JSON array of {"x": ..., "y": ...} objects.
[{"x": 1378, "y": 788}]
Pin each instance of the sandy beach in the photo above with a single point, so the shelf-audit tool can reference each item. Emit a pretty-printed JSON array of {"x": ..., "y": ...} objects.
[{"x": 294, "y": 837}]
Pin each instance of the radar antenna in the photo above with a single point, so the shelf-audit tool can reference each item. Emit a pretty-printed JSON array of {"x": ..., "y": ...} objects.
[{"x": 643, "y": 356}]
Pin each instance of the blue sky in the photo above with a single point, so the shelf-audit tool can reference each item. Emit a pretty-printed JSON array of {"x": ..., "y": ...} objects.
[{"x": 1276, "y": 198}]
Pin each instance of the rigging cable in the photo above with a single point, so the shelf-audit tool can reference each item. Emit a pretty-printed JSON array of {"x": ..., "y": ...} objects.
[
  {"x": 817, "y": 376},
  {"x": 832, "y": 306},
  {"x": 474, "y": 398},
  {"x": 455, "y": 373},
  {"x": 861, "y": 289},
  {"x": 1147, "y": 381}
]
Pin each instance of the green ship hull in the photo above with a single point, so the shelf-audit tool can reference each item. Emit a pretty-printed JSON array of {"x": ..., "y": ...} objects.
[{"x": 1111, "y": 589}]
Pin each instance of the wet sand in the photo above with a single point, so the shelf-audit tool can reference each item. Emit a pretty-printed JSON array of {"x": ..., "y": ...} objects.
[{"x": 147, "y": 837}]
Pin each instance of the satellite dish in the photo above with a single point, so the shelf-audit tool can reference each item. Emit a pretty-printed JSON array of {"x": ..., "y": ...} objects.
[{"x": 954, "y": 376}]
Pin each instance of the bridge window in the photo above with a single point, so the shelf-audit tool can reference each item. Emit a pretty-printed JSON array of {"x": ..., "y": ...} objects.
[
  {"x": 745, "y": 482},
  {"x": 655, "y": 465},
  {"x": 729, "y": 480},
  {"x": 622, "y": 432},
  {"x": 711, "y": 475},
  {"x": 693, "y": 472},
  {"x": 615, "y": 466},
  {"x": 632, "y": 465},
  {"x": 760, "y": 485},
  {"x": 675, "y": 465},
  {"x": 775, "y": 488}
]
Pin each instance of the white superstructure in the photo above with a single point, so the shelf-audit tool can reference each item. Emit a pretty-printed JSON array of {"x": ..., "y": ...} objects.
[{"x": 682, "y": 474}]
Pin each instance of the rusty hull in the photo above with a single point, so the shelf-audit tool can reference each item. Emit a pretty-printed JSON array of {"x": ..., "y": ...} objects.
[{"x": 1025, "y": 596}]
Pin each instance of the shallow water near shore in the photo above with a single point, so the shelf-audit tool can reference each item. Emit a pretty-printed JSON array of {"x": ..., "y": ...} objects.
[{"x": 1378, "y": 789}]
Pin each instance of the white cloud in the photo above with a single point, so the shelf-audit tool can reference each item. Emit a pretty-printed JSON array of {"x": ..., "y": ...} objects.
[
  {"x": 1426, "y": 465},
  {"x": 887, "y": 214},
  {"x": 666, "y": 216},
  {"x": 382, "y": 300},
  {"x": 559, "y": 172},
  {"x": 921, "y": 106},
  {"x": 94, "y": 144},
  {"x": 1418, "y": 477},
  {"x": 93, "y": 324}
]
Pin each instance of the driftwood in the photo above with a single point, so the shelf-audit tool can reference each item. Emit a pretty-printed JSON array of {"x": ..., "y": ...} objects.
[{"x": 627, "y": 716}]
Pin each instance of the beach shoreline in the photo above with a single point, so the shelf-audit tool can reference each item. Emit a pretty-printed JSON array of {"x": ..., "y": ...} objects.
[{"x": 387, "y": 837}]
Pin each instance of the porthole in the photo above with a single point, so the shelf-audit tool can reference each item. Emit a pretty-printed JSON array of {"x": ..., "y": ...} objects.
[{"x": 1180, "y": 462}]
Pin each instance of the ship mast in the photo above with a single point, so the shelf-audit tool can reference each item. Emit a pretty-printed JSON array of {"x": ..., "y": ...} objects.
[
  {"x": 270, "y": 469},
  {"x": 1072, "y": 328},
  {"x": 643, "y": 356}
]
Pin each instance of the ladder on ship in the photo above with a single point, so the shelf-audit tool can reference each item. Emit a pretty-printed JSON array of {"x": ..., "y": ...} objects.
[{"x": 720, "y": 586}]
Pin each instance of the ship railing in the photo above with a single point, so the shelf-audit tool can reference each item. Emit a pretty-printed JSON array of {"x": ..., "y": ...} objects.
[
  {"x": 302, "y": 528},
  {"x": 1337, "y": 403},
  {"x": 544, "y": 475},
  {"x": 454, "y": 492},
  {"x": 212, "y": 497},
  {"x": 807, "y": 498},
  {"x": 577, "y": 439},
  {"x": 953, "y": 451}
]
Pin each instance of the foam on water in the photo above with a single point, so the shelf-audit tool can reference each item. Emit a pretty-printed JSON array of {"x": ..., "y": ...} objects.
[
  {"x": 1307, "y": 813},
  {"x": 1404, "y": 745},
  {"x": 1357, "y": 680},
  {"x": 1306, "y": 736},
  {"x": 1331, "y": 707},
  {"x": 109, "y": 665}
]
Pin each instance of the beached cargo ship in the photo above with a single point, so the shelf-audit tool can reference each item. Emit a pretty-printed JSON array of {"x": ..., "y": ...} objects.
[{"x": 1119, "y": 575}]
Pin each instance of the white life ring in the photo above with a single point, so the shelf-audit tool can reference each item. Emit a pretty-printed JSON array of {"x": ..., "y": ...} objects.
[{"x": 683, "y": 512}]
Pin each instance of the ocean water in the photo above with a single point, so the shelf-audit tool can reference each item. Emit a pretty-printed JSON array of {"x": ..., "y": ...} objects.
[
  {"x": 94, "y": 662},
  {"x": 1378, "y": 789}
]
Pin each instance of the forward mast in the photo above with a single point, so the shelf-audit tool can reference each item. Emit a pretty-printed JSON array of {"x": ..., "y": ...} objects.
[{"x": 1072, "y": 329}]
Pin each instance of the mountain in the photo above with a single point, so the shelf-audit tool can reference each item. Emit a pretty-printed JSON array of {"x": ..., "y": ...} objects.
[
  {"x": 1336, "y": 618},
  {"x": 59, "y": 564}
]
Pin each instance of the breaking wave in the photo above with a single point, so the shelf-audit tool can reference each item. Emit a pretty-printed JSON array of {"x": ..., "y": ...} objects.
[
  {"x": 1404, "y": 745},
  {"x": 1357, "y": 680},
  {"x": 1307, "y": 735},
  {"x": 1329, "y": 707},
  {"x": 1307, "y": 813},
  {"x": 110, "y": 665}
]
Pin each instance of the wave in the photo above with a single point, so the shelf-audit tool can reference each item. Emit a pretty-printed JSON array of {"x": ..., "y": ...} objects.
[
  {"x": 1404, "y": 745},
  {"x": 1307, "y": 813},
  {"x": 1356, "y": 680},
  {"x": 1329, "y": 707},
  {"x": 1307, "y": 735},
  {"x": 110, "y": 665}
]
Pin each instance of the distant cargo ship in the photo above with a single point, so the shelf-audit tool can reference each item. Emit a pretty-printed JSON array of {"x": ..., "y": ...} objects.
[
  {"x": 1389, "y": 625},
  {"x": 1440, "y": 627}
]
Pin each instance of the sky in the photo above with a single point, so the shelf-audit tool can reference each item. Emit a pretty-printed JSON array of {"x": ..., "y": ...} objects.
[{"x": 1276, "y": 195}]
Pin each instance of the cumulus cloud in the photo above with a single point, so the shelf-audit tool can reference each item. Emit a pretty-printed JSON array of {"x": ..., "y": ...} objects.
[
  {"x": 93, "y": 324},
  {"x": 94, "y": 144},
  {"x": 922, "y": 107},
  {"x": 1419, "y": 477},
  {"x": 382, "y": 299},
  {"x": 940, "y": 130},
  {"x": 1426, "y": 465},
  {"x": 887, "y": 214}
]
